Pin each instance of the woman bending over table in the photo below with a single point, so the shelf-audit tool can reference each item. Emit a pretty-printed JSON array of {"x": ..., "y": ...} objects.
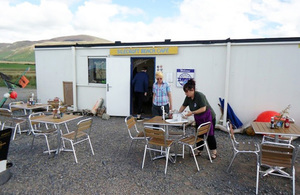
[{"x": 202, "y": 111}]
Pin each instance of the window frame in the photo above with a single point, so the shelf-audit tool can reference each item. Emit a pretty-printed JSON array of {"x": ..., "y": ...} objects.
[{"x": 99, "y": 81}]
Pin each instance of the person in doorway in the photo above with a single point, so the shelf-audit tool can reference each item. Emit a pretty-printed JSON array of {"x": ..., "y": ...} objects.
[
  {"x": 161, "y": 95},
  {"x": 202, "y": 111},
  {"x": 140, "y": 88}
]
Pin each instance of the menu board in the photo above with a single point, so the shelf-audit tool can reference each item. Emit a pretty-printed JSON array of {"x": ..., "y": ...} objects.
[{"x": 5, "y": 136}]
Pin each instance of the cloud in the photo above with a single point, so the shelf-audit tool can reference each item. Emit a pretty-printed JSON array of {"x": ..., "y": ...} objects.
[
  {"x": 27, "y": 21},
  {"x": 195, "y": 20}
]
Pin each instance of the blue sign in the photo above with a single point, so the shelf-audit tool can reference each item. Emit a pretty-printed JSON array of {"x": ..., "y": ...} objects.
[{"x": 183, "y": 75}]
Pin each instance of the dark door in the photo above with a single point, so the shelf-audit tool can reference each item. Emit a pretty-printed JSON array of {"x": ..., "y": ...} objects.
[{"x": 137, "y": 63}]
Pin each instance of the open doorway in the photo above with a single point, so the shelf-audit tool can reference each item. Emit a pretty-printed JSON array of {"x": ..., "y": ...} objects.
[{"x": 137, "y": 63}]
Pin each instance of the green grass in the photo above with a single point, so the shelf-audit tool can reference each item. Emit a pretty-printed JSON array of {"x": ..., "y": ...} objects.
[
  {"x": 15, "y": 70},
  {"x": 4, "y": 66},
  {"x": 18, "y": 53},
  {"x": 4, "y": 54},
  {"x": 22, "y": 55}
]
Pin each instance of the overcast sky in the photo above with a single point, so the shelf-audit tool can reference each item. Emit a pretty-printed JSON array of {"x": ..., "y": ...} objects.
[{"x": 148, "y": 20}]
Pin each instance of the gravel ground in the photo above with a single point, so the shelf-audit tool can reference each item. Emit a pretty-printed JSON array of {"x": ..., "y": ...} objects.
[{"x": 112, "y": 171}]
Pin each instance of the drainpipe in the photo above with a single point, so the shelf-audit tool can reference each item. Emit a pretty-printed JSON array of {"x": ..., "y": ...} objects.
[
  {"x": 227, "y": 75},
  {"x": 74, "y": 68}
]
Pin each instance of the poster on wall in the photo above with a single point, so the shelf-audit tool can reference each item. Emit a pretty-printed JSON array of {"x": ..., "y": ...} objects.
[{"x": 183, "y": 75}]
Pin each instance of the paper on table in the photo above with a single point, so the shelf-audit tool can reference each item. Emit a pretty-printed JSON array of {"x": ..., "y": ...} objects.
[{"x": 176, "y": 121}]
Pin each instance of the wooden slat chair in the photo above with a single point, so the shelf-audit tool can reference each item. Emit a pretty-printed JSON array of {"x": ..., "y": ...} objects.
[
  {"x": 38, "y": 130},
  {"x": 80, "y": 134},
  {"x": 248, "y": 147},
  {"x": 276, "y": 157},
  {"x": 134, "y": 133},
  {"x": 156, "y": 137},
  {"x": 10, "y": 121},
  {"x": 19, "y": 112},
  {"x": 192, "y": 140}
]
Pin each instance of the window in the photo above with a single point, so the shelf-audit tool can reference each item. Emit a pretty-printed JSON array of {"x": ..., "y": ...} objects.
[{"x": 97, "y": 70}]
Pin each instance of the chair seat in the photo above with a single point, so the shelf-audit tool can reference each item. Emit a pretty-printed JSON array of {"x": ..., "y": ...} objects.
[
  {"x": 247, "y": 146},
  {"x": 17, "y": 120},
  {"x": 175, "y": 133},
  {"x": 46, "y": 131},
  {"x": 160, "y": 142},
  {"x": 190, "y": 140},
  {"x": 71, "y": 135},
  {"x": 140, "y": 134}
]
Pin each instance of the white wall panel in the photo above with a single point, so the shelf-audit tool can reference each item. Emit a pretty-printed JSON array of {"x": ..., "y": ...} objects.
[
  {"x": 209, "y": 64},
  {"x": 88, "y": 96},
  {"x": 52, "y": 68},
  {"x": 263, "y": 76}
]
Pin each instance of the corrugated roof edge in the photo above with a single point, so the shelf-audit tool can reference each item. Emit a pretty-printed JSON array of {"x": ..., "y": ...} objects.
[{"x": 169, "y": 42}]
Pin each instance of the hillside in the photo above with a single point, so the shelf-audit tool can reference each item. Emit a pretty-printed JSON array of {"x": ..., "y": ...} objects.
[{"x": 23, "y": 51}]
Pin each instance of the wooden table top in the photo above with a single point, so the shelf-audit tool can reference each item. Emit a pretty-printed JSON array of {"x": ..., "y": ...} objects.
[
  {"x": 157, "y": 120},
  {"x": 28, "y": 107},
  {"x": 50, "y": 119},
  {"x": 264, "y": 128}
]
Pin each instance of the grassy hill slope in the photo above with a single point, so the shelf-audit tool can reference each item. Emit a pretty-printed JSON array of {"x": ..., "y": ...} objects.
[{"x": 23, "y": 51}]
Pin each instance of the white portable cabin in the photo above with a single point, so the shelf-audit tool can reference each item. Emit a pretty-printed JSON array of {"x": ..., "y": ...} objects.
[{"x": 253, "y": 75}]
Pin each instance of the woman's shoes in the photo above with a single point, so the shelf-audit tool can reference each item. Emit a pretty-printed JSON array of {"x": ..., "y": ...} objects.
[
  {"x": 197, "y": 153},
  {"x": 214, "y": 154}
]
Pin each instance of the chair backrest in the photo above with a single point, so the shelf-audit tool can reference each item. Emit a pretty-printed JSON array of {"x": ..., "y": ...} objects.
[
  {"x": 203, "y": 129},
  {"x": 131, "y": 125},
  {"x": 15, "y": 103},
  {"x": 231, "y": 133},
  {"x": 35, "y": 115},
  {"x": 83, "y": 125},
  {"x": 278, "y": 155},
  {"x": 155, "y": 133},
  {"x": 5, "y": 115},
  {"x": 5, "y": 112}
]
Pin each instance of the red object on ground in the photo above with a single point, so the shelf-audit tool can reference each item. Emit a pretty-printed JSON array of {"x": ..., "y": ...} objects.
[
  {"x": 266, "y": 116},
  {"x": 13, "y": 95}
]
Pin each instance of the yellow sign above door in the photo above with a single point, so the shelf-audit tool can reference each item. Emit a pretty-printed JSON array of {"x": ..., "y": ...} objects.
[{"x": 144, "y": 51}]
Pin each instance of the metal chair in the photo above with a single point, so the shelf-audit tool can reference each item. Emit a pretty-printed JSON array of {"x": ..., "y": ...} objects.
[
  {"x": 156, "y": 137},
  {"x": 37, "y": 130},
  {"x": 10, "y": 121},
  {"x": 276, "y": 157},
  {"x": 134, "y": 133},
  {"x": 248, "y": 147},
  {"x": 80, "y": 134},
  {"x": 193, "y": 139},
  {"x": 19, "y": 111}
]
